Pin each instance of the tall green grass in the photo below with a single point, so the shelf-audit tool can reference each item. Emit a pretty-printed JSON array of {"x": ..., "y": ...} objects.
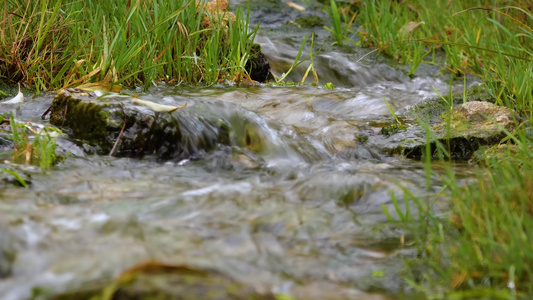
[
  {"x": 50, "y": 44},
  {"x": 477, "y": 243},
  {"x": 342, "y": 21},
  {"x": 492, "y": 39},
  {"x": 477, "y": 246}
]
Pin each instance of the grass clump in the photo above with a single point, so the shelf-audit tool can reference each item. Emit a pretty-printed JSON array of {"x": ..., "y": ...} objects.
[
  {"x": 31, "y": 146},
  {"x": 51, "y": 44},
  {"x": 492, "y": 223},
  {"x": 341, "y": 20},
  {"x": 480, "y": 246},
  {"x": 473, "y": 240},
  {"x": 491, "y": 39}
]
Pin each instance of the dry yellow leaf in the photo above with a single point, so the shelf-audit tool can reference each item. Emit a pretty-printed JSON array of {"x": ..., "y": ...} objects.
[{"x": 295, "y": 6}]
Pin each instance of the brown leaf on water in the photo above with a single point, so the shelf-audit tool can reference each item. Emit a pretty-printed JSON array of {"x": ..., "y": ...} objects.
[{"x": 178, "y": 107}]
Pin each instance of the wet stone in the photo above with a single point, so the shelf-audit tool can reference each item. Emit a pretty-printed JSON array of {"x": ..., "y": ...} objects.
[
  {"x": 258, "y": 66},
  {"x": 98, "y": 122},
  {"x": 479, "y": 120},
  {"x": 462, "y": 130},
  {"x": 310, "y": 21},
  {"x": 153, "y": 280}
]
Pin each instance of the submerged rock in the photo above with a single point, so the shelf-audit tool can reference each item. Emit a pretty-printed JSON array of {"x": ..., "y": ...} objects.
[
  {"x": 310, "y": 21},
  {"x": 159, "y": 281},
  {"x": 7, "y": 249},
  {"x": 461, "y": 131},
  {"x": 16, "y": 174},
  {"x": 155, "y": 280}
]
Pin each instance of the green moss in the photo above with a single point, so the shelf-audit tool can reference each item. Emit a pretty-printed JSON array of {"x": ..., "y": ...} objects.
[
  {"x": 361, "y": 138},
  {"x": 310, "y": 22},
  {"x": 86, "y": 119},
  {"x": 258, "y": 66},
  {"x": 329, "y": 86},
  {"x": 177, "y": 282},
  {"x": 456, "y": 122},
  {"x": 392, "y": 129}
]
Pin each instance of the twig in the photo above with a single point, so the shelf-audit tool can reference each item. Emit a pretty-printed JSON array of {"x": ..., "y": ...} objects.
[
  {"x": 64, "y": 116},
  {"x": 120, "y": 133},
  {"x": 48, "y": 110}
]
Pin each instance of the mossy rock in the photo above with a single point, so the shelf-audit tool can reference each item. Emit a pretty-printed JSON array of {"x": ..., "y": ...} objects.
[
  {"x": 99, "y": 121},
  {"x": 462, "y": 131},
  {"x": 258, "y": 66},
  {"x": 478, "y": 119},
  {"x": 310, "y": 21},
  {"x": 128, "y": 126},
  {"x": 500, "y": 154},
  {"x": 156, "y": 281}
]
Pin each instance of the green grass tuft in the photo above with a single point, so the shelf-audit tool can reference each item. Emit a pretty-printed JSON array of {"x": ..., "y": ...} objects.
[{"x": 52, "y": 44}]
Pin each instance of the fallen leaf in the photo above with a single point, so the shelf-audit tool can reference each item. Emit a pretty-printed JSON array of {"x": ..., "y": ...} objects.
[
  {"x": 296, "y": 6},
  {"x": 157, "y": 107},
  {"x": 409, "y": 27}
]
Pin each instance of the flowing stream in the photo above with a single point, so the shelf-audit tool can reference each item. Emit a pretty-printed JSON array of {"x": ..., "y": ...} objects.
[{"x": 293, "y": 206}]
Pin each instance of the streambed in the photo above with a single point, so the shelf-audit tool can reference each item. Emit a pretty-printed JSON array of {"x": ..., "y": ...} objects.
[{"x": 303, "y": 217}]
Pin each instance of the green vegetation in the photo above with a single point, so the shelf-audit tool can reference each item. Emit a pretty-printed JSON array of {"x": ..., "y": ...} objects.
[
  {"x": 342, "y": 23},
  {"x": 17, "y": 176},
  {"x": 487, "y": 38},
  {"x": 53, "y": 44},
  {"x": 478, "y": 243},
  {"x": 35, "y": 146},
  {"x": 329, "y": 86},
  {"x": 31, "y": 146}
]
